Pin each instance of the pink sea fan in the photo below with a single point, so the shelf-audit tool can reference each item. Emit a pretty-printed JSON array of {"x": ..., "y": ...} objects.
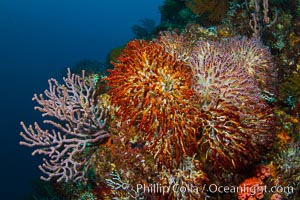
[
  {"x": 78, "y": 123},
  {"x": 176, "y": 44},
  {"x": 219, "y": 79},
  {"x": 256, "y": 58},
  {"x": 236, "y": 121}
]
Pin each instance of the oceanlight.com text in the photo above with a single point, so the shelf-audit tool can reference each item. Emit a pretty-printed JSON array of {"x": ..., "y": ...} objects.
[
  {"x": 210, "y": 188},
  {"x": 213, "y": 188}
]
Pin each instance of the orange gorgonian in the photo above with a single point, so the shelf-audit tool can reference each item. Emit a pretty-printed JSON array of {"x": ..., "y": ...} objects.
[{"x": 151, "y": 91}]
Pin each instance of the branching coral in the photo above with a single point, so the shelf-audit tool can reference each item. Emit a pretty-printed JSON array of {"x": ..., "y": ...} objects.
[
  {"x": 79, "y": 124},
  {"x": 152, "y": 90}
]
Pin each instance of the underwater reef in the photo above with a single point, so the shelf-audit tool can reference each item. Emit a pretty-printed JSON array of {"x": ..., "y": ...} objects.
[{"x": 208, "y": 108}]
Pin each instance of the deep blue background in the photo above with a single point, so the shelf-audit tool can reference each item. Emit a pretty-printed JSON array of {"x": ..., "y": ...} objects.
[{"x": 38, "y": 39}]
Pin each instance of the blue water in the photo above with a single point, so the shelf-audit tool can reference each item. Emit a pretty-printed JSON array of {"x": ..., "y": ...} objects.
[{"x": 38, "y": 40}]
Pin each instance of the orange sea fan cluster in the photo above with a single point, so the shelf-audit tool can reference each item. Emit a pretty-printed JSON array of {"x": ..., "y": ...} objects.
[
  {"x": 203, "y": 97},
  {"x": 216, "y": 9},
  {"x": 152, "y": 91}
]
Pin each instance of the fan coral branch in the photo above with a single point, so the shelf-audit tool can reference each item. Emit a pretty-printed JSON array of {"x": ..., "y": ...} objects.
[{"x": 81, "y": 122}]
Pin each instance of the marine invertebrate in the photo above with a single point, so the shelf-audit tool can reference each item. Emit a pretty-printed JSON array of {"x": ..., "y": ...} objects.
[
  {"x": 216, "y": 74},
  {"x": 251, "y": 188},
  {"x": 289, "y": 91},
  {"x": 243, "y": 57},
  {"x": 232, "y": 109},
  {"x": 152, "y": 91},
  {"x": 216, "y": 10},
  {"x": 228, "y": 143},
  {"x": 185, "y": 182},
  {"x": 283, "y": 138},
  {"x": 276, "y": 196},
  {"x": 287, "y": 164},
  {"x": 132, "y": 159},
  {"x": 263, "y": 171},
  {"x": 113, "y": 56},
  {"x": 121, "y": 189},
  {"x": 78, "y": 123},
  {"x": 177, "y": 45},
  {"x": 252, "y": 55},
  {"x": 87, "y": 195},
  {"x": 171, "y": 16},
  {"x": 195, "y": 32}
]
